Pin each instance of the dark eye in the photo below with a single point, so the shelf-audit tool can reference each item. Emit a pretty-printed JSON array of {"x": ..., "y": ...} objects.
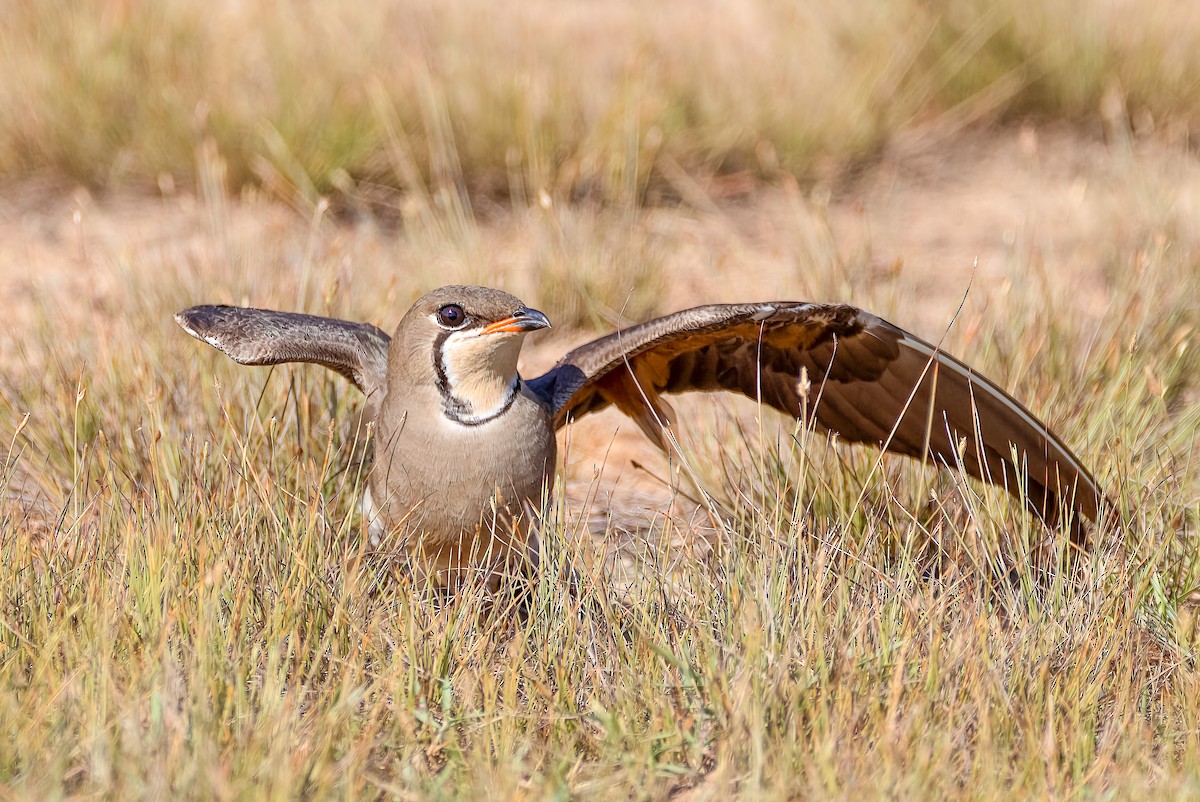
[{"x": 452, "y": 316}]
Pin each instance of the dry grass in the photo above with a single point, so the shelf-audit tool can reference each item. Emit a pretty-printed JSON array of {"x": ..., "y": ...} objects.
[
  {"x": 185, "y": 611},
  {"x": 186, "y": 614},
  {"x": 572, "y": 99}
]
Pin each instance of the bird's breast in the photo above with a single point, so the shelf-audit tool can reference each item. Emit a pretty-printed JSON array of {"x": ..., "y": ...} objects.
[{"x": 441, "y": 479}]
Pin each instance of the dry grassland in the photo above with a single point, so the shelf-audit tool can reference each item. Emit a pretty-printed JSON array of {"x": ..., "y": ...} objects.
[
  {"x": 581, "y": 99},
  {"x": 185, "y": 607}
]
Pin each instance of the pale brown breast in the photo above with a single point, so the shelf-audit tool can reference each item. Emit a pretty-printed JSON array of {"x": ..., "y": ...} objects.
[{"x": 449, "y": 497}]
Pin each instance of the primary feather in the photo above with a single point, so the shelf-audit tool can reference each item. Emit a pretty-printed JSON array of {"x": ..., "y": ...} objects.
[{"x": 868, "y": 381}]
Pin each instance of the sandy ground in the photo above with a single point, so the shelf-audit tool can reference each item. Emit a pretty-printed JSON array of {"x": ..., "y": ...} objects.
[
  {"x": 925, "y": 221},
  {"x": 906, "y": 238}
]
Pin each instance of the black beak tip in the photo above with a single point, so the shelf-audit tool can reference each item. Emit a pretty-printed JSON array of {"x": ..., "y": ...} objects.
[{"x": 531, "y": 319}]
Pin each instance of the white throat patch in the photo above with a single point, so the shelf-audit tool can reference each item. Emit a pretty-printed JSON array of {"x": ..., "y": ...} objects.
[{"x": 477, "y": 374}]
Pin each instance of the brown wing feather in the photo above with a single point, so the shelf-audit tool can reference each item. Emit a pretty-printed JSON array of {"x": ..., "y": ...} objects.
[
  {"x": 871, "y": 382},
  {"x": 357, "y": 351}
]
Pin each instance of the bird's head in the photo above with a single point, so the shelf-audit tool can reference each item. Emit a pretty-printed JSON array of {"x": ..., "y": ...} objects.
[{"x": 466, "y": 340}]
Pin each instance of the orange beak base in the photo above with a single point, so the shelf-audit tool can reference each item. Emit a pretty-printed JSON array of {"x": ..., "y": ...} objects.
[{"x": 522, "y": 320}]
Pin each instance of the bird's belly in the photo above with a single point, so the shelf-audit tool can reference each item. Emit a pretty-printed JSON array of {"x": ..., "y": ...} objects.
[{"x": 455, "y": 496}]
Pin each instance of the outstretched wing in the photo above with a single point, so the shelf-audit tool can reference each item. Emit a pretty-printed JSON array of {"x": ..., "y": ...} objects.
[
  {"x": 357, "y": 351},
  {"x": 850, "y": 372}
]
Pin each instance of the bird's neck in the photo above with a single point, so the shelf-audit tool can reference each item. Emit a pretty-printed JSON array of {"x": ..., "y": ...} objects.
[{"x": 477, "y": 375}]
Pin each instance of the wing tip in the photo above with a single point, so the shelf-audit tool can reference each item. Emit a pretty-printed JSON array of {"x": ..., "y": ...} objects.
[
  {"x": 199, "y": 321},
  {"x": 191, "y": 320},
  {"x": 185, "y": 317}
]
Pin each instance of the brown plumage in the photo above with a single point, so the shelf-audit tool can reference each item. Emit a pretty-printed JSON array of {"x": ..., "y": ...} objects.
[
  {"x": 868, "y": 381},
  {"x": 358, "y": 351},
  {"x": 849, "y": 372}
]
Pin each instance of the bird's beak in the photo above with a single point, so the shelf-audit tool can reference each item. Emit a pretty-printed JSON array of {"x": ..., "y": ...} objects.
[{"x": 522, "y": 320}]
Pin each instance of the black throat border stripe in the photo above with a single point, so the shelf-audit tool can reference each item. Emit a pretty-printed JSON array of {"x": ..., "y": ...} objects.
[{"x": 455, "y": 408}]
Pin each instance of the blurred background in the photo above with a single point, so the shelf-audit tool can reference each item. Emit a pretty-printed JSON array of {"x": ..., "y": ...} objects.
[
  {"x": 620, "y": 158},
  {"x": 585, "y": 100}
]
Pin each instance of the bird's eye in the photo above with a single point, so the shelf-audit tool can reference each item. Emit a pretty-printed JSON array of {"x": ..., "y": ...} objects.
[{"x": 452, "y": 316}]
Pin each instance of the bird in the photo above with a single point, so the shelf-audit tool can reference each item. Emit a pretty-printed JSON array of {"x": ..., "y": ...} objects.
[{"x": 465, "y": 448}]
